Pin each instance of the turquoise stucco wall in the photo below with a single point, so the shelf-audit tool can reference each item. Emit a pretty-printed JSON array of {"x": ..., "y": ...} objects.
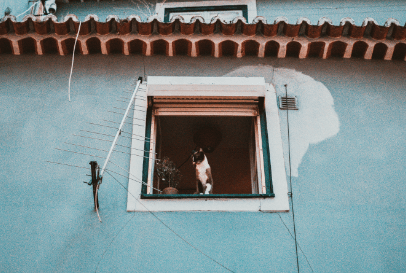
[
  {"x": 348, "y": 195},
  {"x": 17, "y": 7},
  {"x": 291, "y": 9},
  {"x": 334, "y": 10}
]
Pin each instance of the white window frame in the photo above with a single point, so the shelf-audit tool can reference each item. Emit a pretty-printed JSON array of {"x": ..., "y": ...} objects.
[
  {"x": 251, "y": 7},
  {"x": 212, "y": 86}
]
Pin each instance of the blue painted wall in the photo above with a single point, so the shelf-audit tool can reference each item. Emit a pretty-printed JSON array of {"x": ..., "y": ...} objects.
[
  {"x": 17, "y": 7},
  {"x": 291, "y": 9},
  {"x": 348, "y": 196},
  {"x": 335, "y": 10}
]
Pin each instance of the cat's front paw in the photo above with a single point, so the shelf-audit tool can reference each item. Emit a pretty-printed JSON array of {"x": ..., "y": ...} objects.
[{"x": 208, "y": 188}]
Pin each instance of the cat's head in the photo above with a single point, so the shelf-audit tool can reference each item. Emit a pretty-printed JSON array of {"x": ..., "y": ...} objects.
[{"x": 198, "y": 156}]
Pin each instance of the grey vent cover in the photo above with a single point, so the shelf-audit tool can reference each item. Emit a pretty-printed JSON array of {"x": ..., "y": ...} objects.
[{"x": 288, "y": 103}]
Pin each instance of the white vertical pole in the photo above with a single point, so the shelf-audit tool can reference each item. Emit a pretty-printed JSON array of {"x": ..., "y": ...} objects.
[
  {"x": 260, "y": 157},
  {"x": 121, "y": 126},
  {"x": 152, "y": 158}
]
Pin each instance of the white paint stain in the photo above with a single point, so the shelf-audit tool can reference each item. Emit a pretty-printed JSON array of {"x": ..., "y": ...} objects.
[{"x": 316, "y": 119}]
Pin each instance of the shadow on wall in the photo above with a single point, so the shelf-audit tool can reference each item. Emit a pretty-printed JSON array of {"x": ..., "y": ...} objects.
[{"x": 316, "y": 119}]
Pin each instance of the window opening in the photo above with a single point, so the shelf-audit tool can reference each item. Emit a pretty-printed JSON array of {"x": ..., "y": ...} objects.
[
  {"x": 226, "y": 12},
  {"x": 237, "y": 163}
]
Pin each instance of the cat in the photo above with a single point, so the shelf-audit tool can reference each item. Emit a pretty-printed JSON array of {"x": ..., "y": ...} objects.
[{"x": 204, "y": 180}]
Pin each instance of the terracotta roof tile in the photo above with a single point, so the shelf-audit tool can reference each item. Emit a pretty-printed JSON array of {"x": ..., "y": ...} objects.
[{"x": 176, "y": 37}]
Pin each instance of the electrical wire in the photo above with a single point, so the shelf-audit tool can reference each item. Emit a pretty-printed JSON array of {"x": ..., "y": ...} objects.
[
  {"x": 96, "y": 133},
  {"x": 168, "y": 227},
  {"x": 92, "y": 138},
  {"x": 124, "y": 122},
  {"x": 106, "y": 126},
  {"x": 136, "y": 105},
  {"x": 124, "y": 146},
  {"x": 136, "y": 97},
  {"x": 113, "y": 241},
  {"x": 121, "y": 136},
  {"x": 290, "y": 183},
  {"x": 135, "y": 178},
  {"x": 65, "y": 164},
  {"x": 78, "y": 153},
  {"x": 73, "y": 58},
  {"x": 187, "y": 159},
  {"x": 122, "y": 131},
  {"x": 86, "y": 147},
  {"x": 27, "y": 9},
  {"x": 140, "y": 91},
  {"x": 122, "y": 114},
  {"x": 120, "y": 108},
  {"x": 135, "y": 138},
  {"x": 97, "y": 149},
  {"x": 291, "y": 235}
]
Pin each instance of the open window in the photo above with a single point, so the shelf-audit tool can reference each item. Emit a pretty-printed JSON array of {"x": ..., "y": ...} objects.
[
  {"x": 239, "y": 162},
  {"x": 247, "y": 164}
]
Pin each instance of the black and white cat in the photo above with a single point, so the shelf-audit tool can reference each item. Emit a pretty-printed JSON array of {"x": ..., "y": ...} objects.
[{"x": 204, "y": 180}]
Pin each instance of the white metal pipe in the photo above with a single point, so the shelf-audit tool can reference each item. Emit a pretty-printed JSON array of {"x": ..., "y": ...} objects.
[{"x": 121, "y": 126}]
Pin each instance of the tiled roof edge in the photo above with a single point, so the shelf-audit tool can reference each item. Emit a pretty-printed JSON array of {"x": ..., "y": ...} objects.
[
  {"x": 279, "y": 46},
  {"x": 151, "y": 18},
  {"x": 259, "y": 26},
  {"x": 304, "y": 39}
]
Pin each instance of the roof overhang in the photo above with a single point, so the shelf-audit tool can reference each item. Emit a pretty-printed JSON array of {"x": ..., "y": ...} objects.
[{"x": 217, "y": 37}]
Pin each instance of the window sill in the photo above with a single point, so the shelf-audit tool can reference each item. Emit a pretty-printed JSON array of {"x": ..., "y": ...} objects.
[
  {"x": 254, "y": 203},
  {"x": 204, "y": 196}
]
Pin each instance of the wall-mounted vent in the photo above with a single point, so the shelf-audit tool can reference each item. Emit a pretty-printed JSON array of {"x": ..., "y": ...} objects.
[{"x": 288, "y": 103}]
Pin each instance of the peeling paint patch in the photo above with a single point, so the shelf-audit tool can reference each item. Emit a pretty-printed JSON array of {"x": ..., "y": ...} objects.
[{"x": 316, "y": 119}]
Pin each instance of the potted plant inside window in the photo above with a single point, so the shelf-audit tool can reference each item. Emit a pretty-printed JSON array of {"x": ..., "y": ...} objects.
[{"x": 167, "y": 172}]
